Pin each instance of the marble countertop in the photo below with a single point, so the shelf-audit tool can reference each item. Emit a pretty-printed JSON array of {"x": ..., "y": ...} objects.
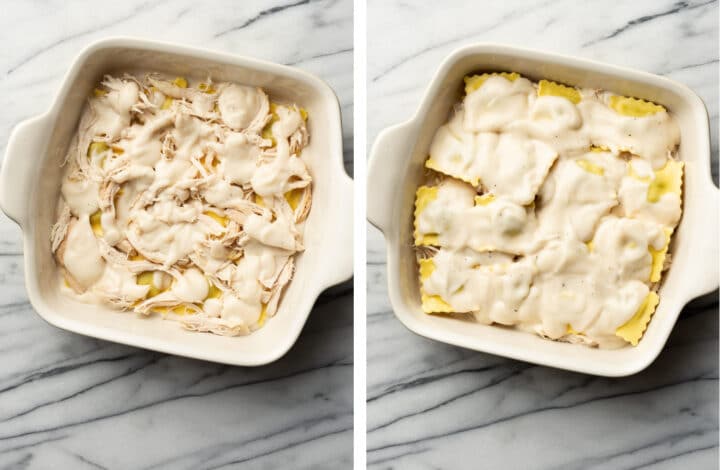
[
  {"x": 432, "y": 405},
  {"x": 67, "y": 401}
]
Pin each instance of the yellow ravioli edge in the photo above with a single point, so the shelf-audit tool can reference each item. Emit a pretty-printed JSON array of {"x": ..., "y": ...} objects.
[
  {"x": 658, "y": 257},
  {"x": 634, "y": 107},
  {"x": 213, "y": 291},
  {"x": 263, "y": 315},
  {"x": 97, "y": 147},
  {"x": 95, "y": 223},
  {"x": 433, "y": 165},
  {"x": 180, "y": 82},
  {"x": 266, "y": 132},
  {"x": 147, "y": 278},
  {"x": 294, "y": 196},
  {"x": 221, "y": 219},
  {"x": 548, "y": 88},
  {"x": 473, "y": 82},
  {"x": 590, "y": 167},
  {"x": 634, "y": 328},
  {"x": 206, "y": 88},
  {"x": 484, "y": 199},
  {"x": 424, "y": 196},
  {"x": 571, "y": 331},
  {"x": 668, "y": 179},
  {"x": 431, "y": 303}
]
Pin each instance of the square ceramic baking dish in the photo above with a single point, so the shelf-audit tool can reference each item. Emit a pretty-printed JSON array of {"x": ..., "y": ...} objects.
[
  {"x": 396, "y": 168},
  {"x": 30, "y": 185}
]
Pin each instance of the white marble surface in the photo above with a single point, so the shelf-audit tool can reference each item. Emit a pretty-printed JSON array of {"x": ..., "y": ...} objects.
[
  {"x": 67, "y": 401},
  {"x": 435, "y": 406}
]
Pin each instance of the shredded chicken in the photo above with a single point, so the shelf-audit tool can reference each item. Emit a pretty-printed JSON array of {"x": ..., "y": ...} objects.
[{"x": 184, "y": 199}]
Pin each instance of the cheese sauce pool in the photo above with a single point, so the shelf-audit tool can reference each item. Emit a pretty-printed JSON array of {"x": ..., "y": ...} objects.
[{"x": 550, "y": 209}]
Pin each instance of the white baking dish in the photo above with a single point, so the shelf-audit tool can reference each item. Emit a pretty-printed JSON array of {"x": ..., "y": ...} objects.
[
  {"x": 396, "y": 168},
  {"x": 30, "y": 184}
]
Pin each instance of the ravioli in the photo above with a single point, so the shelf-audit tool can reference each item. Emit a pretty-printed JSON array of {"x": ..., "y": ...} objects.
[
  {"x": 452, "y": 215},
  {"x": 497, "y": 103},
  {"x": 507, "y": 165},
  {"x": 470, "y": 282},
  {"x": 551, "y": 209},
  {"x": 633, "y": 330},
  {"x": 634, "y": 107},
  {"x": 431, "y": 303},
  {"x": 473, "y": 82},
  {"x": 658, "y": 256},
  {"x": 548, "y": 88},
  {"x": 653, "y": 195},
  {"x": 626, "y": 125},
  {"x": 668, "y": 179},
  {"x": 425, "y": 195}
]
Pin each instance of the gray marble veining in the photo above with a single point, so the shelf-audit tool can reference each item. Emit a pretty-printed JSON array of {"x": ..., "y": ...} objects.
[
  {"x": 67, "y": 401},
  {"x": 432, "y": 405}
]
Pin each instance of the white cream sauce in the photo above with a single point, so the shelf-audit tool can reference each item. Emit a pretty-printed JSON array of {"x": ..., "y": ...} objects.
[
  {"x": 239, "y": 158},
  {"x": 239, "y": 105},
  {"x": 82, "y": 255},
  {"x": 81, "y": 194},
  {"x": 112, "y": 112},
  {"x": 285, "y": 171}
]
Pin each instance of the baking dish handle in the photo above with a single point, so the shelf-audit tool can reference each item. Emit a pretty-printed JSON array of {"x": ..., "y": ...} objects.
[
  {"x": 708, "y": 270},
  {"x": 340, "y": 263},
  {"x": 385, "y": 174},
  {"x": 26, "y": 143}
]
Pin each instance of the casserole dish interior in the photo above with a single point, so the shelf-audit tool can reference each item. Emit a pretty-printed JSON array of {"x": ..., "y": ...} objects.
[
  {"x": 694, "y": 246},
  {"x": 332, "y": 195}
]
